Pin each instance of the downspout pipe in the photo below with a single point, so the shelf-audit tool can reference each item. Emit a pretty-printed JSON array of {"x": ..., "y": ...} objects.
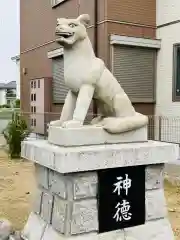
[{"x": 95, "y": 110}]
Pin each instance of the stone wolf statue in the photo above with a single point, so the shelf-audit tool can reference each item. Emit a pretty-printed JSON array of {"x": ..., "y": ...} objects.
[{"x": 87, "y": 77}]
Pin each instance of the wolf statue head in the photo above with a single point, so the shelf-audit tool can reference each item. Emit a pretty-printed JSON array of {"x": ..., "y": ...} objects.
[{"x": 70, "y": 31}]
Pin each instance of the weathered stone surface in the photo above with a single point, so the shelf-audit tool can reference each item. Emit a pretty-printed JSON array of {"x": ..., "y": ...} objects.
[
  {"x": 89, "y": 158},
  {"x": 154, "y": 176},
  {"x": 153, "y": 230},
  {"x": 85, "y": 136},
  {"x": 59, "y": 215},
  {"x": 46, "y": 207},
  {"x": 51, "y": 234},
  {"x": 58, "y": 184},
  {"x": 85, "y": 185},
  {"x": 15, "y": 236},
  {"x": 155, "y": 204},
  {"x": 84, "y": 216},
  {"x": 38, "y": 201},
  {"x": 34, "y": 228},
  {"x": 42, "y": 176},
  {"x": 5, "y": 229}
]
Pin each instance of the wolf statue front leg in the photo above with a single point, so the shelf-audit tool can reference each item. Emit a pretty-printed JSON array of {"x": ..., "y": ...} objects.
[
  {"x": 82, "y": 105},
  {"x": 67, "y": 111}
]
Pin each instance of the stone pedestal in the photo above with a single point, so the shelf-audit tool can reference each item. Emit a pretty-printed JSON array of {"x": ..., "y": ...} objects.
[{"x": 66, "y": 201}]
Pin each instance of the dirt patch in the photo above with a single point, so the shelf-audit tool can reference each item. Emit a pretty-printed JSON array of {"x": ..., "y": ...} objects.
[
  {"x": 172, "y": 194},
  {"x": 17, "y": 187}
]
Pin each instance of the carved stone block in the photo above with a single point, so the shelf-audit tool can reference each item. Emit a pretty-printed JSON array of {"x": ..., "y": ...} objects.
[
  {"x": 84, "y": 217},
  {"x": 58, "y": 184},
  {"x": 59, "y": 215},
  {"x": 47, "y": 205}
]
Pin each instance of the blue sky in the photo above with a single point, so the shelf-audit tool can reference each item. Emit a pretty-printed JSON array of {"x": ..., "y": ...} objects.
[{"x": 9, "y": 39}]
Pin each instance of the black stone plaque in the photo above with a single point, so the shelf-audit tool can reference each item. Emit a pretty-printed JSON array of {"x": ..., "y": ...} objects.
[{"x": 121, "y": 198}]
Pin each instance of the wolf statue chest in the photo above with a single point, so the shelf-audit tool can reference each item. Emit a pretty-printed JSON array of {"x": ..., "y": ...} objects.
[{"x": 76, "y": 74}]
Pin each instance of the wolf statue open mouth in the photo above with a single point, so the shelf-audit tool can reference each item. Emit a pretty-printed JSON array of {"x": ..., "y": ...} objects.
[{"x": 64, "y": 34}]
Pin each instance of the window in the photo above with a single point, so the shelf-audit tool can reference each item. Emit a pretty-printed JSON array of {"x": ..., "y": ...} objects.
[
  {"x": 59, "y": 89},
  {"x": 33, "y": 97},
  {"x": 176, "y": 72},
  {"x": 33, "y": 109},
  {"x": 33, "y": 122},
  {"x": 135, "y": 69},
  {"x": 34, "y": 84},
  {"x": 38, "y": 83},
  {"x": 56, "y": 2}
]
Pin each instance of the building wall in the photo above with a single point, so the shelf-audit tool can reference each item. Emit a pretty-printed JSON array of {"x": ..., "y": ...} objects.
[
  {"x": 139, "y": 11},
  {"x": 130, "y": 18},
  {"x": 2, "y": 96},
  {"x": 38, "y": 37},
  {"x": 42, "y": 103},
  {"x": 134, "y": 19},
  {"x": 167, "y": 11}
]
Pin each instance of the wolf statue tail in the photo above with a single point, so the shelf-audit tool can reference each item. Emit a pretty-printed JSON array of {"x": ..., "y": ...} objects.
[{"x": 124, "y": 124}]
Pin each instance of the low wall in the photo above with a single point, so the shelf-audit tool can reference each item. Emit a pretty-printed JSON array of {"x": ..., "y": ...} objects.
[{"x": 3, "y": 124}]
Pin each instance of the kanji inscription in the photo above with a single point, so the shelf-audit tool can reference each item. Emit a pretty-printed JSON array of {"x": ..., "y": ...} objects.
[{"x": 121, "y": 198}]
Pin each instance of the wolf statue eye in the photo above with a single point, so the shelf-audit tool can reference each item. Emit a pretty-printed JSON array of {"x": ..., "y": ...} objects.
[{"x": 72, "y": 25}]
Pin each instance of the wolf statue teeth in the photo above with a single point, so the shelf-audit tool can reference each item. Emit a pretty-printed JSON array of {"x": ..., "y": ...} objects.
[{"x": 87, "y": 77}]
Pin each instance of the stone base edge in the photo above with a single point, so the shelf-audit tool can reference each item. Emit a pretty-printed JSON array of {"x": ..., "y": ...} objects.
[
  {"x": 90, "y": 158},
  {"x": 91, "y": 135},
  {"x": 37, "y": 229}
]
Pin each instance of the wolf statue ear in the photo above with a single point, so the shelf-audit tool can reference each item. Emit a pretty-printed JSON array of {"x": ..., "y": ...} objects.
[{"x": 84, "y": 19}]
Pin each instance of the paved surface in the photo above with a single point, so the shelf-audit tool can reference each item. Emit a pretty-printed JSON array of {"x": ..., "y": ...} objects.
[
  {"x": 2, "y": 140},
  {"x": 3, "y": 124}
]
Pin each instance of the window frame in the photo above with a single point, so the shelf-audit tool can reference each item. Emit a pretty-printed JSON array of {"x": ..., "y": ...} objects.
[
  {"x": 175, "y": 97},
  {"x": 55, "y": 3},
  {"x": 34, "y": 97},
  {"x": 35, "y": 123}
]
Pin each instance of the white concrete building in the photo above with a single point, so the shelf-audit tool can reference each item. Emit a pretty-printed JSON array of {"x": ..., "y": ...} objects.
[
  {"x": 2, "y": 94},
  {"x": 168, "y": 69},
  {"x": 8, "y": 93}
]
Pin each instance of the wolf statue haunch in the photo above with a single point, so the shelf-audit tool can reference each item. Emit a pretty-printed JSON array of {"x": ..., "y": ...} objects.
[{"x": 87, "y": 77}]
